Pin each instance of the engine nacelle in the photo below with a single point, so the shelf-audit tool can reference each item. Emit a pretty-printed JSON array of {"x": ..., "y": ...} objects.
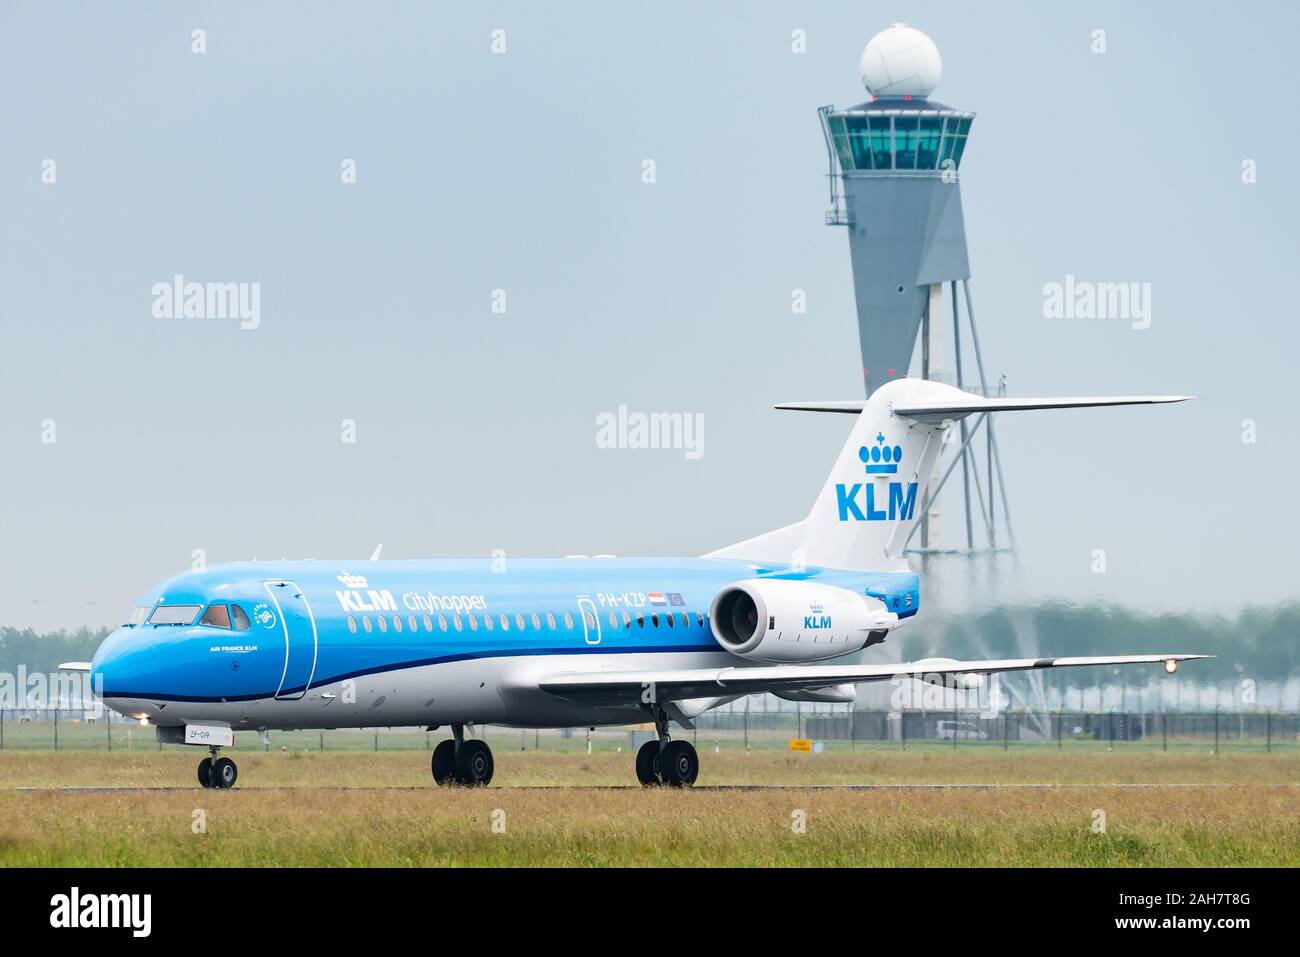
[
  {"x": 777, "y": 620},
  {"x": 930, "y": 671}
]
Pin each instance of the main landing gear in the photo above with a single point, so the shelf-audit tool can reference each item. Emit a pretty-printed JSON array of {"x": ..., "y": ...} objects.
[
  {"x": 674, "y": 763},
  {"x": 215, "y": 772},
  {"x": 462, "y": 762}
]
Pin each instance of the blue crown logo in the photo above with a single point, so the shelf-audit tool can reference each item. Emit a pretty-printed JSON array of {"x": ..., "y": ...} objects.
[{"x": 881, "y": 459}]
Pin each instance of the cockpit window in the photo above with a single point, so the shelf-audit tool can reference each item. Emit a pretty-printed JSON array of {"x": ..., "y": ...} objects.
[
  {"x": 174, "y": 615},
  {"x": 239, "y": 618},
  {"x": 218, "y": 616},
  {"x": 137, "y": 615}
]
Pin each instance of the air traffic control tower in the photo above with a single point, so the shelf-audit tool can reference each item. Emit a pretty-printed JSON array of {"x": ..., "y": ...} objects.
[{"x": 894, "y": 164}]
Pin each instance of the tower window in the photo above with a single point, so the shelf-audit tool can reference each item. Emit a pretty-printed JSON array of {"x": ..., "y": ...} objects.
[{"x": 927, "y": 146}]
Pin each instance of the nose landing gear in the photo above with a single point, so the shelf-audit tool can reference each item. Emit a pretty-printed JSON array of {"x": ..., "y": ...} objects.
[{"x": 215, "y": 772}]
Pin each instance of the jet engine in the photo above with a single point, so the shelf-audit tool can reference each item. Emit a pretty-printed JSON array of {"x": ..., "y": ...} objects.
[{"x": 777, "y": 620}]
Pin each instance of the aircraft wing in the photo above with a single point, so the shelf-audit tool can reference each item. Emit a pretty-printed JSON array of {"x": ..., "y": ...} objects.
[{"x": 621, "y": 687}]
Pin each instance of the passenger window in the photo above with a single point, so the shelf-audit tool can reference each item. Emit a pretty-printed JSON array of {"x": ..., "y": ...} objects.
[
  {"x": 218, "y": 616},
  {"x": 699, "y": 619},
  {"x": 488, "y": 623},
  {"x": 537, "y": 621},
  {"x": 668, "y": 617},
  {"x": 428, "y": 624},
  {"x": 519, "y": 622},
  {"x": 654, "y": 618},
  {"x": 640, "y": 619},
  {"x": 568, "y": 620},
  {"x": 550, "y": 621},
  {"x": 352, "y": 624},
  {"x": 473, "y": 622},
  {"x": 686, "y": 620},
  {"x": 456, "y": 621},
  {"x": 627, "y": 620},
  {"x": 442, "y": 622},
  {"x": 239, "y": 619},
  {"x": 613, "y": 620},
  {"x": 591, "y": 621},
  {"x": 414, "y": 625},
  {"x": 397, "y": 623},
  {"x": 365, "y": 623},
  {"x": 382, "y": 622},
  {"x": 505, "y": 622}
]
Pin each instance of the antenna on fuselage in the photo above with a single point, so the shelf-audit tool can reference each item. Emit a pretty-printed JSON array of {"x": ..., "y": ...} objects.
[{"x": 374, "y": 556}]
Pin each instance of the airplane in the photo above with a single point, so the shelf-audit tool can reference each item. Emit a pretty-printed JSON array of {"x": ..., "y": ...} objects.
[{"x": 566, "y": 642}]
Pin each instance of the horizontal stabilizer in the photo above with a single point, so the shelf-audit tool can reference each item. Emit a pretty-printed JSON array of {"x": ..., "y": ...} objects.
[
  {"x": 964, "y": 403},
  {"x": 74, "y": 666},
  {"x": 853, "y": 406},
  {"x": 955, "y": 408}
]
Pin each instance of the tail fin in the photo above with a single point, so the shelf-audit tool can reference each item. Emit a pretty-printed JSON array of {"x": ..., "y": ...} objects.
[{"x": 865, "y": 512}]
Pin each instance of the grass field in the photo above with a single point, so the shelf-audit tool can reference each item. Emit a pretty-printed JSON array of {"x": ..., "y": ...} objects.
[{"x": 551, "y": 809}]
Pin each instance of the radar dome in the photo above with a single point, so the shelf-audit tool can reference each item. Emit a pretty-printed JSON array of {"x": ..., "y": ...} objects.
[{"x": 900, "y": 61}]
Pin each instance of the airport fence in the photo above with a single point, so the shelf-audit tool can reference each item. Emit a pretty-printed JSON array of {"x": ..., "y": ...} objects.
[{"x": 77, "y": 730}]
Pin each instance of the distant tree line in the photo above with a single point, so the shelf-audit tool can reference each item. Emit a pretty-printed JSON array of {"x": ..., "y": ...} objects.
[{"x": 43, "y": 651}]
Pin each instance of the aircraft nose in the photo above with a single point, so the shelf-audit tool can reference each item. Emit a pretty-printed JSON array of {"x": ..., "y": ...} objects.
[{"x": 109, "y": 667}]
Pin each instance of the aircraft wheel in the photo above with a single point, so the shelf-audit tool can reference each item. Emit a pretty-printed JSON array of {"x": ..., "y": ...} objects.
[
  {"x": 444, "y": 761},
  {"x": 224, "y": 773},
  {"x": 647, "y": 764},
  {"x": 679, "y": 764},
  {"x": 205, "y": 772},
  {"x": 474, "y": 763}
]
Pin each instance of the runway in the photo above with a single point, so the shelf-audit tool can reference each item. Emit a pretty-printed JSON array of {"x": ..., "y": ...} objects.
[{"x": 433, "y": 789}]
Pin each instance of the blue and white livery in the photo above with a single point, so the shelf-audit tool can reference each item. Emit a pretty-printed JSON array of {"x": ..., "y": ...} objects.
[{"x": 566, "y": 642}]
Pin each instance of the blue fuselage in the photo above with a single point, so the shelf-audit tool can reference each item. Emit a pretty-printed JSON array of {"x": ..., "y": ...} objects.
[{"x": 251, "y": 632}]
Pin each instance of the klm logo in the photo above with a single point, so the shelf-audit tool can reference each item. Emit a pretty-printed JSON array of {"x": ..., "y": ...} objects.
[
  {"x": 858, "y": 502},
  {"x": 372, "y": 600},
  {"x": 816, "y": 619},
  {"x": 881, "y": 459}
]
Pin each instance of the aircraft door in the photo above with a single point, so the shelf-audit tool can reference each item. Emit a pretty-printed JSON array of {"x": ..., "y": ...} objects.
[
  {"x": 590, "y": 620},
  {"x": 298, "y": 625}
]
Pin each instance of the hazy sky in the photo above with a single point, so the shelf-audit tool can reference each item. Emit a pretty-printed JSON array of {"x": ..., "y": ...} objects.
[{"x": 522, "y": 172}]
